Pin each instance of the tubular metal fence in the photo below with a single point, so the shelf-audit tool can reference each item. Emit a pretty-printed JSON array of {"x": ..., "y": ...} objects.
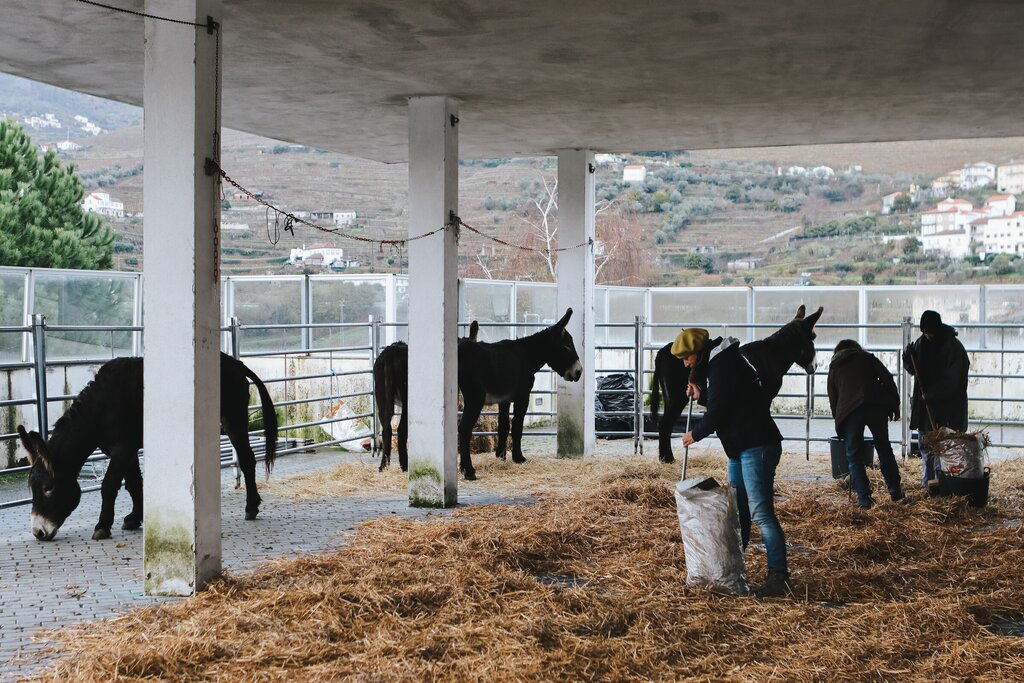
[{"x": 333, "y": 365}]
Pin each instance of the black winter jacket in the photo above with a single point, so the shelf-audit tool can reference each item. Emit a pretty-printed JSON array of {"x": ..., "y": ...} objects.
[
  {"x": 943, "y": 365},
  {"x": 855, "y": 378},
  {"x": 736, "y": 407}
]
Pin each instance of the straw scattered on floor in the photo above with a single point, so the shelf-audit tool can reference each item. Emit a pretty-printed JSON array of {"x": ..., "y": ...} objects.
[{"x": 590, "y": 586}]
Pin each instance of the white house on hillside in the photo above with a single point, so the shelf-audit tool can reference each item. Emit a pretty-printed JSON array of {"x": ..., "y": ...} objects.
[
  {"x": 1000, "y": 205},
  {"x": 888, "y": 200},
  {"x": 316, "y": 256},
  {"x": 634, "y": 173},
  {"x": 1004, "y": 235},
  {"x": 978, "y": 174},
  {"x": 1010, "y": 176},
  {"x": 338, "y": 218},
  {"x": 956, "y": 228},
  {"x": 101, "y": 203}
]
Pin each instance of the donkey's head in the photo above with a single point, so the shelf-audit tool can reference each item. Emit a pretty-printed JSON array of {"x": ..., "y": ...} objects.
[
  {"x": 561, "y": 354},
  {"x": 54, "y": 496},
  {"x": 801, "y": 334}
]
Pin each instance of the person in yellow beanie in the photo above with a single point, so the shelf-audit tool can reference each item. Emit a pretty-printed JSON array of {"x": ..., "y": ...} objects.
[{"x": 739, "y": 413}]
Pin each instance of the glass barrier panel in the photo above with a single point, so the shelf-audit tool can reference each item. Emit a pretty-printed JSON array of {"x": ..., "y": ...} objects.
[
  {"x": 956, "y": 304},
  {"x": 80, "y": 299},
  {"x": 269, "y": 302},
  {"x": 778, "y": 306},
  {"x": 12, "y": 313},
  {"x": 724, "y": 307},
  {"x": 536, "y": 305},
  {"x": 345, "y": 301},
  {"x": 488, "y": 303}
]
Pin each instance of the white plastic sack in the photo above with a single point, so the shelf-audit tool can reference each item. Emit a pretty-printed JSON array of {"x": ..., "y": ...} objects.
[
  {"x": 710, "y": 528},
  {"x": 964, "y": 457},
  {"x": 347, "y": 429}
]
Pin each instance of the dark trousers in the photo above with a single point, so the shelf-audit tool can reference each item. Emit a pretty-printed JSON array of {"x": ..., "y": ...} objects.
[{"x": 875, "y": 418}]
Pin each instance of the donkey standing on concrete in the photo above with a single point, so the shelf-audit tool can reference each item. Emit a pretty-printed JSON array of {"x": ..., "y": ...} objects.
[
  {"x": 503, "y": 373},
  {"x": 108, "y": 415},
  {"x": 771, "y": 359}
]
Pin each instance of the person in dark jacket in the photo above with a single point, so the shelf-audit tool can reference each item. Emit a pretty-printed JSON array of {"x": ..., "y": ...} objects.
[
  {"x": 939, "y": 364},
  {"x": 740, "y": 414},
  {"x": 862, "y": 394}
]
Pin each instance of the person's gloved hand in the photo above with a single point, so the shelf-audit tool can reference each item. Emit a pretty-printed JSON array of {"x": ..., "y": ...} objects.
[
  {"x": 908, "y": 359},
  {"x": 894, "y": 416}
]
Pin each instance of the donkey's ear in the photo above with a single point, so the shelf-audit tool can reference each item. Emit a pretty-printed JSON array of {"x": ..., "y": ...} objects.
[
  {"x": 565, "y": 319},
  {"x": 812, "y": 319},
  {"x": 474, "y": 330},
  {"x": 35, "y": 447},
  {"x": 800, "y": 313}
]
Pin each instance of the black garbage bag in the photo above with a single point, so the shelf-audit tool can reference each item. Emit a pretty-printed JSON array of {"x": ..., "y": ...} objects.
[{"x": 613, "y": 412}]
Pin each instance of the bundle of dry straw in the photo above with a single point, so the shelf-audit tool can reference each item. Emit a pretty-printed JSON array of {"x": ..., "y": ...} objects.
[{"x": 590, "y": 586}]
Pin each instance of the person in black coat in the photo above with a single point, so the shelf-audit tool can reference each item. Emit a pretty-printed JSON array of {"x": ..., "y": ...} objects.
[
  {"x": 862, "y": 393},
  {"x": 939, "y": 364},
  {"x": 739, "y": 412}
]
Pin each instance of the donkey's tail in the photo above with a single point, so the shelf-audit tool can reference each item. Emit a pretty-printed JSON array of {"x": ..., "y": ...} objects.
[
  {"x": 269, "y": 418},
  {"x": 656, "y": 391}
]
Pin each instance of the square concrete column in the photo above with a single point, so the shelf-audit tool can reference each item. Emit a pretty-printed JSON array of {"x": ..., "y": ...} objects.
[
  {"x": 576, "y": 437},
  {"x": 182, "y": 548},
  {"x": 433, "y": 302}
]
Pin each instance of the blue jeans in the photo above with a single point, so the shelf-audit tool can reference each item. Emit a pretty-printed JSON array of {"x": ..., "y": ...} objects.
[
  {"x": 752, "y": 475},
  {"x": 852, "y": 430},
  {"x": 928, "y": 464}
]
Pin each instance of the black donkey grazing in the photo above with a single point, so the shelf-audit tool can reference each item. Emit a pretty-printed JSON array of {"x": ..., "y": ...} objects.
[
  {"x": 503, "y": 373},
  {"x": 771, "y": 358},
  {"x": 108, "y": 415},
  {"x": 391, "y": 388}
]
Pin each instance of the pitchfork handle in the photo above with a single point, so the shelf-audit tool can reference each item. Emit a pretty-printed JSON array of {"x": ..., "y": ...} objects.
[{"x": 686, "y": 450}]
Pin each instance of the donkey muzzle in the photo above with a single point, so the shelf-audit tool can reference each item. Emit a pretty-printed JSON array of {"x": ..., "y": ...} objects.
[
  {"x": 43, "y": 529},
  {"x": 574, "y": 372}
]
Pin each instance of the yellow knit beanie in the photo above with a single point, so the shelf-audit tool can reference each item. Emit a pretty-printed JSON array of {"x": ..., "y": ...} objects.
[{"x": 689, "y": 341}]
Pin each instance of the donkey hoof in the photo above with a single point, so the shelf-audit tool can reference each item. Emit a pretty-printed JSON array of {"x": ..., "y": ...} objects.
[
  {"x": 131, "y": 523},
  {"x": 500, "y": 455},
  {"x": 668, "y": 461},
  {"x": 251, "y": 514},
  {"x": 100, "y": 534},
  {"x": 518, "y": 459},
  {"x": 470, "y": 475}
]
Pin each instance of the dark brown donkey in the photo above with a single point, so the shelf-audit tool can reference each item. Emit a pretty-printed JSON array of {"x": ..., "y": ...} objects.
[
  {"x": 503, "y": 373},
  {"x": 771, "y": 359},
  {"x": 108, "y": 415}
]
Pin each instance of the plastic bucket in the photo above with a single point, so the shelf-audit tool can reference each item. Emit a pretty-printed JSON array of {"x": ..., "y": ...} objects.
[
  {"x": 975, "y": 488},
  {"x": 840, "y": 467}
]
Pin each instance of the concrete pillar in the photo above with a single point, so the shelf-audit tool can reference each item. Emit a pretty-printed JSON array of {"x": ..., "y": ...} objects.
[
  {"x": 182, "y": 548},
  {"x": 576, "y": 437},
  {"x": 433, "y": 302}
]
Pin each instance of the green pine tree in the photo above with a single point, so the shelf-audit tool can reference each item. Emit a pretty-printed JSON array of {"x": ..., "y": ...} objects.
[{"x": 42, "y": 223}]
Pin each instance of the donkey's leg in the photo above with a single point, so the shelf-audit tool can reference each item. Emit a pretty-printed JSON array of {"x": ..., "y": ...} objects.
[
  {"x": 472, "y": 405},
  {"x": 236, "y": 426},
  {"x": 133, "y": 484},
  {"x": 502, "y": 444},
  {"x": 385, "y": 437},
  {"x": 403, "y": 441},
  {"x": 673, "y": 409},
  {"x": 108, "y": 490},
  {"x": 518, "y": 417}
]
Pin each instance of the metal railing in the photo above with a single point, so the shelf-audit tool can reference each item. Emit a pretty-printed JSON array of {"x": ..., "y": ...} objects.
[{"x": 635, "y": 359}]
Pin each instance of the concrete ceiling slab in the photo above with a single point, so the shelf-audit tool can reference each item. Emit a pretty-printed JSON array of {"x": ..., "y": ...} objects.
[{"x": 533, "y": 76}]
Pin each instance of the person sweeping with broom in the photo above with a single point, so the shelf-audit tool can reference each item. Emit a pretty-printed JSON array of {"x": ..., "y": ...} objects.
[
  {"x": 939, "y": 364},
  {"x": 740, "y": 414}
]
